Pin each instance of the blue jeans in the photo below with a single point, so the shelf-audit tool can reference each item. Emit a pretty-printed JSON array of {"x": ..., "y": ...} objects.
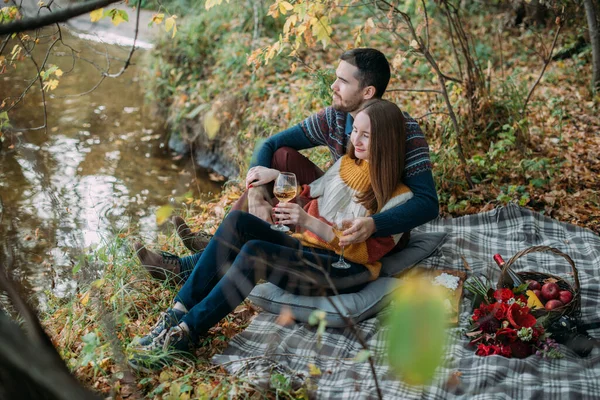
[{"x": 245, "y": 250}]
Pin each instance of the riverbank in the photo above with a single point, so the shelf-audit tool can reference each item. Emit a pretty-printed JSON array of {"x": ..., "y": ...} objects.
[{"x": 92, "y": 329}]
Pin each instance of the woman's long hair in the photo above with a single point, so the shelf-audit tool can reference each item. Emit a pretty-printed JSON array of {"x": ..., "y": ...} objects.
[{"x": 387, "y": 151}]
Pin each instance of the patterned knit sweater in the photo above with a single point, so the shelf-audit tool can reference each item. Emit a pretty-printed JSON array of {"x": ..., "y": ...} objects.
[{"x": 336, "y": 191}]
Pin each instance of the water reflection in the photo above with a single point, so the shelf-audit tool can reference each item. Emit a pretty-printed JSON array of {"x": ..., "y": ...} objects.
[{"x": 101, "y": 169}]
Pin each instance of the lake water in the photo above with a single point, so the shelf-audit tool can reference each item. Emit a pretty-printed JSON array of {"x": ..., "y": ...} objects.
[{"x": 101, "y": 168}]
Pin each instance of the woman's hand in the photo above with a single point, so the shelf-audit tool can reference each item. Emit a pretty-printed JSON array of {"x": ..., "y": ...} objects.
[
  {"x": 260, "y": 175},
  {"x": 290, "y": 214},
  {"x": 362, "y": 228}
]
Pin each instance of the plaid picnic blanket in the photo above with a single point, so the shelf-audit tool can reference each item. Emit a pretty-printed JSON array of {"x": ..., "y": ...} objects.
[{"x": 266, "y": 349}]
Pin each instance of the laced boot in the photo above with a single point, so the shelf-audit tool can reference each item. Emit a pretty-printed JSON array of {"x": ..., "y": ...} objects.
[
  {"x": 166, "y": 321},
  {"x": 194, "y": 241},
  {"x": 166, "y": 348},
  {"x": 162, "y": 266}
]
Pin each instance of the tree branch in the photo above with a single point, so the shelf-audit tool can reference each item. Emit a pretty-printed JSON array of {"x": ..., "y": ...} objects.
[
  {"x": 128, "y": 61},
  {"x": 546, "y": 63},
  {"x": 414, "y": 90},
  {"x": 28, "y": 24}
]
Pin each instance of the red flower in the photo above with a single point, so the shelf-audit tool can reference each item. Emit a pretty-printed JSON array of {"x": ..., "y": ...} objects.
[
  {"x": 494, "y": 349},
  {"x": 482, "y": 350},
  {"x": 521, "y": 349},
  {"x": 519, "y": 317},
  {"x": 488, "y": 350},
  {"x": 506, "y": 351},
  {"x": 503, "y": 294},
  {"x": 506, "y": 335},
  {"x": 499, "y": 310},
  {"x": 489, "y": 324},
  {"x": 480, "y": 312}
]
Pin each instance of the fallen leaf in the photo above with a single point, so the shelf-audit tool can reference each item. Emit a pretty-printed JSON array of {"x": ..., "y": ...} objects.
[
  {"x": 453, "y": 380},
  {"x": 286, "y": 317}
]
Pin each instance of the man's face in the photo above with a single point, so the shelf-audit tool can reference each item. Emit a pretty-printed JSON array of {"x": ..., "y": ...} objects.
[
  {"x": 347, "y": 91},
  {"x": 361, "y": 136}
]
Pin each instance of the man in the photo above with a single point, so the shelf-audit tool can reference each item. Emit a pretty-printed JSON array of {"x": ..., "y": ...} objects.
[{"x": 362, "y": 74}]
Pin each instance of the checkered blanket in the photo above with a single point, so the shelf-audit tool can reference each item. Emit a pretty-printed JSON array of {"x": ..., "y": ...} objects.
[{"x": 266, "y": 349}]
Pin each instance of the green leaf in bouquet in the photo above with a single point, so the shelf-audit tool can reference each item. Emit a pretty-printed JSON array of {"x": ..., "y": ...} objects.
[{"x": 522, "y": 288}]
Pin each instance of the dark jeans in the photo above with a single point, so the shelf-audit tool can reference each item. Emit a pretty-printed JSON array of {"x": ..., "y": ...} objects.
[{"x": 246, "y": 250}]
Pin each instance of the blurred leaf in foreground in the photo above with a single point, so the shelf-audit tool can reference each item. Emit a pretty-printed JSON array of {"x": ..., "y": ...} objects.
[{"x": 417, "y": 330}]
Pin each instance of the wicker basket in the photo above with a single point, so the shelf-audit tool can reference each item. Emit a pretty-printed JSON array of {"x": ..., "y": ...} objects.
[{"x": 573, "y": 307}]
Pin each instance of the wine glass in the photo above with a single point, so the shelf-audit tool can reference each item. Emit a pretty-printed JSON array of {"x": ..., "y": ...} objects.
[
  {"x": 285, "y": 190},
  {"x": 342, "y": 221}
]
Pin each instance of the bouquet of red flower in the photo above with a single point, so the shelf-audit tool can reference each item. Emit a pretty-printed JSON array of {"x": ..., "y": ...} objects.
[{"x": 504, "y": 325}]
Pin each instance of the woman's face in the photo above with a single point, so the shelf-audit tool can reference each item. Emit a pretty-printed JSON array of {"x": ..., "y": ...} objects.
[{"x": 361, "y": 136}]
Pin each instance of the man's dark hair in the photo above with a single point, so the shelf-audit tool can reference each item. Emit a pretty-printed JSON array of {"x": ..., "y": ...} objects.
[{"x": 373, "y": 68}]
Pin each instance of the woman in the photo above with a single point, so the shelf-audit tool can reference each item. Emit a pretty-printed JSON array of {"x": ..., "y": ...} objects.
[{"x": 245, "y": 250}]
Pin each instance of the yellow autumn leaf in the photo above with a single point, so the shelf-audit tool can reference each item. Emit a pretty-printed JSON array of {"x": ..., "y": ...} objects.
[
  {"x": 284, "y": 7},
  {"x": 50, "y": 85},
  {"x": 414, "y": 44},
  {"x": 321, "y": 30},
  {"x": 170, "y": 24},
  {"x": 273, "y": 11},
  {"x": 313, "y": 370},
  {"x": 97, "y": 15},
  {"x": 117, "y": 19},
  {"x": 211, "y": 3},
  {"x": 211, "y": 125},
  {"x": 398, "y": 60},
  {"x": 98, "y": 283},
  {"x": 158, "y": 18},
  {"x": 289, "y": 23},
  {"x": 163, "y": 213},
  {"x": 85, "y": 298},
  {"x": 58, "y": 73}
]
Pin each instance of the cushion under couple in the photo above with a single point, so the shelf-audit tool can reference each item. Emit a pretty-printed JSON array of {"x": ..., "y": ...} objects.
[{"x": 384, "y": 177}]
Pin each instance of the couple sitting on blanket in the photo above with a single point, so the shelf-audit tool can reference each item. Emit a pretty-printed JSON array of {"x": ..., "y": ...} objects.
[{"x": 382, "y": 175}]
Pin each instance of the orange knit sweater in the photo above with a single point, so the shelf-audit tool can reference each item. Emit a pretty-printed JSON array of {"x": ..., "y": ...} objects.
[{"x": 336, "y": 191}]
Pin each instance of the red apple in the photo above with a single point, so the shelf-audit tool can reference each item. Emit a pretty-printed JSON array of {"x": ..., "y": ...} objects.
[
  {"x": 538, "y": 293},
  {"x": 550, "y": 291},
  {"x": 552, "y": 304},
  {"x": 565, "y": 296},
  {"x": 534, "y": 285}
]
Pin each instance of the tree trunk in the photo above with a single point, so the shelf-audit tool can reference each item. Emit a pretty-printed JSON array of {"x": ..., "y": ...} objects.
[{"x": 592, "y": 11}]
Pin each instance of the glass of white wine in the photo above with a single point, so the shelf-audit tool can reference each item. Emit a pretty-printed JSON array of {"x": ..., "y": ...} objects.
[
  {"x": 342, "y": 221},
  {"x": 285, "y": 190}
]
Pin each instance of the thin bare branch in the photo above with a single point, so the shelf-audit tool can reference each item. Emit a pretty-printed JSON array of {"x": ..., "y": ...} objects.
[
  {"x": 432, "y": 113},
  {"x": 414, "y": 90},
  {"x": 351, "y": 324},
  {"x": 426, "y": 24},
  {"x": 451, "y": 31},
  {"x": 128, "y": 61},
  {"x": 442, "y": 78},
  {"x": 29, "y": 24},
  {"x": 547, "y": 61}
]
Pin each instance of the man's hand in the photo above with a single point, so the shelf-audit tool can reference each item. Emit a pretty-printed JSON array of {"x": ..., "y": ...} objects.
[
  {"x": 260, "y": 175},
  {"x": 361, "y": 229},
  {"x": 258, "y": 204}
]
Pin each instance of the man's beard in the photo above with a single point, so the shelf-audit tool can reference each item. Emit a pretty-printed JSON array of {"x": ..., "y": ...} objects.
[{"x": 348, "y": 107}]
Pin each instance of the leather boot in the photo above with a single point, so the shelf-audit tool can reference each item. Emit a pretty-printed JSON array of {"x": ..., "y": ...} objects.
[
  {"x": 194, "y": 241},
  {"x": 161, "y": 266}
]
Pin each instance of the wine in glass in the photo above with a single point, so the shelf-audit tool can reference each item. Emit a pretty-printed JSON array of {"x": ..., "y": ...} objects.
[
  {"x": 285, "y": 190},
  {"x": 342, "y": 221}
]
